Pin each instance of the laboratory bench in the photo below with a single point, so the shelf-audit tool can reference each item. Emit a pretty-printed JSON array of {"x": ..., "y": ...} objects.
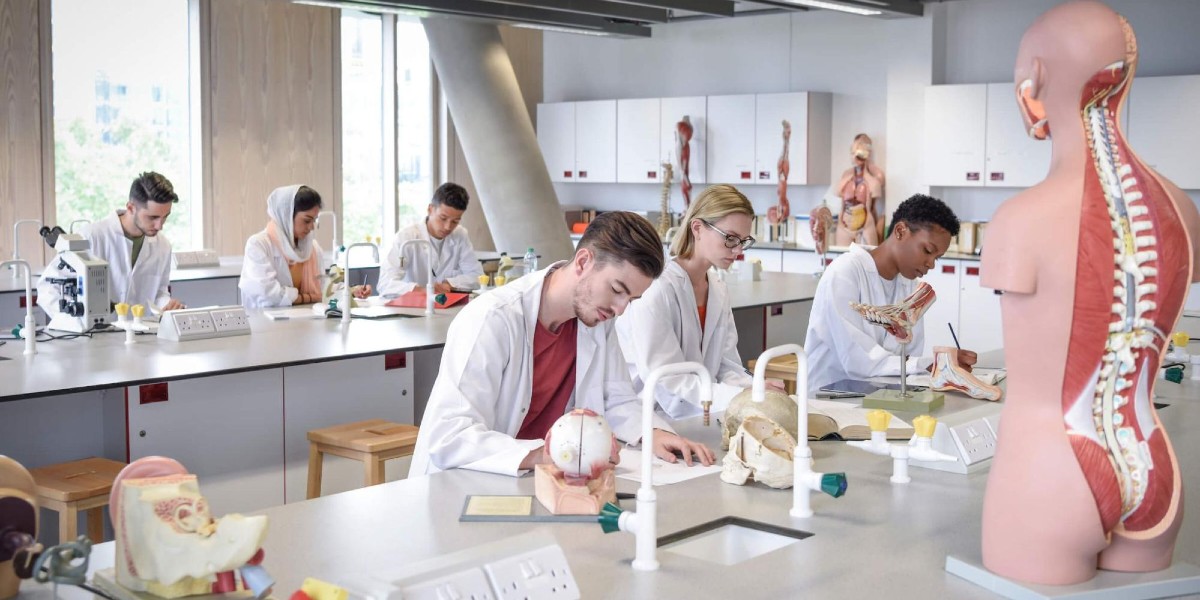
[{"x": 879, "y": 540}]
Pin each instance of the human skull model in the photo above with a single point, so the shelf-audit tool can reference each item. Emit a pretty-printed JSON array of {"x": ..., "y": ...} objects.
[
  {"x": 582, "y": 445},
  {"x": 760, "y": 450},
  {"x": 777, "y": 407}
]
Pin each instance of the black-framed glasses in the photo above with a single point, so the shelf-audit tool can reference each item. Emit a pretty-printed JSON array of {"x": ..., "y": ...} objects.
[{"x": 732, "y": 241}]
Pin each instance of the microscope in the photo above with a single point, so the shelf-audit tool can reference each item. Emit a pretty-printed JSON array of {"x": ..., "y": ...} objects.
[{"x": 84, "y": 296}]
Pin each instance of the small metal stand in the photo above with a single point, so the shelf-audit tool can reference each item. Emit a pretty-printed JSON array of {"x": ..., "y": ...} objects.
[{"x": 903, "y": 400}]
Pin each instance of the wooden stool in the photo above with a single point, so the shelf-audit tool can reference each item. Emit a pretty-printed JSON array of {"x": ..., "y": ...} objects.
[
  {"x": 781, "y": 367},
  {"x": 371, "y": 442},
  {"x": 80, "y": 485}
]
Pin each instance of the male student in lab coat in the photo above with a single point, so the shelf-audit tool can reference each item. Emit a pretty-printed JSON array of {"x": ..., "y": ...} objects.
[
  {"x": 455, "y": 267},
  {"x": 519, "y": 357},
  {"x": 139, "y": 259},
  {"x": 840, "y": 343}
]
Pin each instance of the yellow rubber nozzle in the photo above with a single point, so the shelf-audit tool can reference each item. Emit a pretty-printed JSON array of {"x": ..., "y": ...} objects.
[
  {"x": 925, "y": 426},
  {"x": 138, "y": 310},
  {"x": 1180, "y": 338},
  {"x": 483, "y": 280},
  {"x": 122, "y": 309},
  {"x": 879, "y": 419}
]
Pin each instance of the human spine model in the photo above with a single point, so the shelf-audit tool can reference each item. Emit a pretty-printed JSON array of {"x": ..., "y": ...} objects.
[
  {"x": 664, "y": 215},
  {"x": 1084, "y": 476},
  {"x": 779, "y": 213},
  {"x": 899, "y": 319}
]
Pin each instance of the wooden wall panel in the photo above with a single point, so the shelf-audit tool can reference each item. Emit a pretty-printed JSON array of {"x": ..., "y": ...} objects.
[
  {"x": 272, "y": 99},
  {"x": 21, "y": 187}
]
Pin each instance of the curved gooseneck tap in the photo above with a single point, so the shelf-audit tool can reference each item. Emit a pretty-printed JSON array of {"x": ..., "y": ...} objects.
[
  {"x": 804, "y": 478},
  {"x": 29, "y": 331},
  {"x": 16, "y": 240},
  {"x": 431, "y": 254},
  {"x": 347, "y": 299}
]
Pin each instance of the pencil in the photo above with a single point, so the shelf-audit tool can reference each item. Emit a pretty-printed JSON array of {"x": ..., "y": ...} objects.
[{"x": 951, "y": 326}]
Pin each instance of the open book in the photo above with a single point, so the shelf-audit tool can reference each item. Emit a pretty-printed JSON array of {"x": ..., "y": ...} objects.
[{"x": 830, "y": 420}]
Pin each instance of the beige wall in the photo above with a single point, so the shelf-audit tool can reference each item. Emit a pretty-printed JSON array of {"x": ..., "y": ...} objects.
[
  {"x": 271, "y": 68},
  {"x": 271, "y": 114},
  {"x": 21, "y": 127}
]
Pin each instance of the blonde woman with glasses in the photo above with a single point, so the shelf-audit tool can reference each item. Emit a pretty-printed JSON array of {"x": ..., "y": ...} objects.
[{"x": 685, "y": 315}]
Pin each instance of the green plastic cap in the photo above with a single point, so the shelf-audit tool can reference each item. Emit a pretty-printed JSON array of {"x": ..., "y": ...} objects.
[
  {"x": 834, "y": 484},
  {"x": 610, "y": 517}
]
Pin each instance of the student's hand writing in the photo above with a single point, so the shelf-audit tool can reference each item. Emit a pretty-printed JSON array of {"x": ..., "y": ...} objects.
[{"x": 667, "y": 443}]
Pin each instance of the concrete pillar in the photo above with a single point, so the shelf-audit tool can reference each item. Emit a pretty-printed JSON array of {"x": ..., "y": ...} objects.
[{"x": 498, "y": 138}]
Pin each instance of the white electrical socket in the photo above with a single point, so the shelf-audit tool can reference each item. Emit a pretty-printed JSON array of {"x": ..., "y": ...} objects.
[
  {"x": 541, "y": 573},
  {"x": 470, "y": 584},
  {"x": 975, "y": 441},
  {"x": 203, "y": 323},
  {"x": 969, "y": 435}
]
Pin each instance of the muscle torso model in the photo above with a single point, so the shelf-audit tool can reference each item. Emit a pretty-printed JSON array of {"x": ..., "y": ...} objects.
[
  {"x": 779, "y": 213},
  {"x": 1084, "y": 474},
  {"x": 683, "y": 156},
  {"x": 860, "y": 191}
]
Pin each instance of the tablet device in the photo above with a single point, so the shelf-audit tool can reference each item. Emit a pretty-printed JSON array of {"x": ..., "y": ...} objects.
[{"x": 852, "y": 388}]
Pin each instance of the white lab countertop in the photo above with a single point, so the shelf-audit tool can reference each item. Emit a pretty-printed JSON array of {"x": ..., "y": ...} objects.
[
  {"x": 104, "y": 361},
  {"x": 879, "y": 540}
]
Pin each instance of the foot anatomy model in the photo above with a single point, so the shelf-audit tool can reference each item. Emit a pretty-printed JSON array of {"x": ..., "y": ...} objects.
[
  {"x": 948, "y": 376},
  {"x": 899, "y": 319}
]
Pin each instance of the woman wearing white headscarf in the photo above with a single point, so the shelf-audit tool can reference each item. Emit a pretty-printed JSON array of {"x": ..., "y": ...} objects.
[{"x": 282, "y": 262}]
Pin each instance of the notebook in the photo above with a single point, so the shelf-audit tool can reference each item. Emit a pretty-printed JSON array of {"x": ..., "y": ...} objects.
[
  {"x": 830, "y": 420},
  {"x": 416, "y": 299}
]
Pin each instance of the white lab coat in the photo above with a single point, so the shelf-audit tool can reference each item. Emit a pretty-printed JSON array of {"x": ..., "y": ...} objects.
[
  {"x": 485, "y": 382},
  {"x": 266, "y": 281},
  {"x": 663, "y": 327},
  {"x": 146, "y": 283},
  {"x": 840, "y": 343},
  {"x": 455, "y": 263}
]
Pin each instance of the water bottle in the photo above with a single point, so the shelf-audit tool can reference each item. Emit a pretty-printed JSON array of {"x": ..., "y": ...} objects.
[{"x": 530, "y": 262}]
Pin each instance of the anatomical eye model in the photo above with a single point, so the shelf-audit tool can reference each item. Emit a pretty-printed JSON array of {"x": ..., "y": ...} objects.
[{"x": 578, "y": 479}]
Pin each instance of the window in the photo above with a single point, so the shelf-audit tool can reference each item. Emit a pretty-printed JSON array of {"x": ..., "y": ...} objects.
[
  {"x": 122, "y": 98},
  {"x": 387, "y": 178}
]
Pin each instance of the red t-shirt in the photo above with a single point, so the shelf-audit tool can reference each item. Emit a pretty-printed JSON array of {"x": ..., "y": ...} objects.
[
  {"x": 553, "y": 379},
  {"x": 702, "y": 312}
]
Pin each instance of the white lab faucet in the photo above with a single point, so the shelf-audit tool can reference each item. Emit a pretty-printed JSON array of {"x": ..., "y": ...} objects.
[
  {"x": 429, "y": 300},
  {"x": 333, "y": 252},
  {"x": 643, "y": 524},
  {"x": 72, "y": 228},
  {"x": 804, "y": 479},
  {"x": 16, "y": 255},
  {"x": 347, "y": 295},
  {"x": 919, "y": 448},
  {"x": 29, "y": 331}
]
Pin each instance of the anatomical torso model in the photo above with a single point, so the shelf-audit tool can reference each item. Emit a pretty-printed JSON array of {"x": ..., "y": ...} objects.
[
  {"x": 779, "y": 213},
  {"x": 860, "y": 192},
  {"x": 1084, "y": 475},
  {"x": 683, "y": 156}
]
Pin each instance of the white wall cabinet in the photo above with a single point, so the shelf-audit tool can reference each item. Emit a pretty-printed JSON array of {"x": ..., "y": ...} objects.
[
  {"x": 809, "y": 151},
  {"x": 596, "y": 141},
  {"x": 955, "y": 134},
  {"x": 945, "y": 281},
  {"x": 556, "y": 137},
  {"x": 798, "y": 261},
  {"x": 731, "y": 141},
  {"x": 979, "y": 325},
  {"x": 638, "y": 141},
  {"x": 1163, "y": 126},
  {"x": 1013, "y": 158},
  {"x": 671, "y": 112},
  {"x": 227, "y": 429},
  {"x": 772, "y": 258}
]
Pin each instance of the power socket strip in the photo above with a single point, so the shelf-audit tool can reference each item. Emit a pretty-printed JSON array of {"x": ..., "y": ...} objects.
[
  {"x": 203, "y": 323},
  {"x": 531, "y": 565},
  {"x": 970, "y": 435},
  {"x": 195, "y": 259}
]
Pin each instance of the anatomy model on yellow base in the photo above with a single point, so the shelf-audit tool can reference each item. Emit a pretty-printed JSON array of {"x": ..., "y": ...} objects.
[{"x": 578, "y": 479}]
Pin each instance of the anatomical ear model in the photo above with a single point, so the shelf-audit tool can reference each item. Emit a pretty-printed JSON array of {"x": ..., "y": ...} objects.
[
  {"x": 948, "y": 376},
  {"x": 578, "y": 478},
  {"x": 683, "y": 156},
  {"x": 18, "y": 526},
  {"x": 167, "y": 543},
  {"x": 779, "y": 213},
  {"x": 1084, "y": 475},
  {"x": 899, "y": 319}
]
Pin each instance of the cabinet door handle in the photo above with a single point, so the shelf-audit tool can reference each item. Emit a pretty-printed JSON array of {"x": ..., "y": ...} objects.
[
  {"x": 566, "y": 174},
  {"x": 948, "y": 269},
  {"x": 583, "y": 174},
  {"x": 745, "y": 174},
  {"x": 973, "y": 271}
]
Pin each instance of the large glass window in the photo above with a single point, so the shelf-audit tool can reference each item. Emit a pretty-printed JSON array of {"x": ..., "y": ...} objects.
[
  {"x": 363, "y": 123},
  {"x": 414, "y": 120},
  {"x": 122, "y": 94}
]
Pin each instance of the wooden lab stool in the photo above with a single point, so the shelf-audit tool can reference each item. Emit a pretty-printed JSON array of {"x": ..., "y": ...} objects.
[
  {"x": 371, "y": 442},
  {"x": 781, "y": 367},
  {"x": 80, "y": 485}
]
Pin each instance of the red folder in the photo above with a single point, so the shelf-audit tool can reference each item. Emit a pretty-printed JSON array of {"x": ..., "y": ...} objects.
[{"x": 416, "y": 299}]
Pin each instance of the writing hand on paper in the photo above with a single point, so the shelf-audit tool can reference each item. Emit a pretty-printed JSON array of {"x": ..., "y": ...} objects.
[
  {"x": 172, "y": 304},
  {"x": 361, "y": 291},
  {"x": 666, "y": 444},
  {"x": 442, "y": 287}
]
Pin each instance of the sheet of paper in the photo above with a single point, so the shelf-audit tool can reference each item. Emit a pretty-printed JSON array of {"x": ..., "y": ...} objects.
[
  {"x": 294, "y": 312},
  {"x": 665, "y": 473},
  {"x": 514, "y": 506}
]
